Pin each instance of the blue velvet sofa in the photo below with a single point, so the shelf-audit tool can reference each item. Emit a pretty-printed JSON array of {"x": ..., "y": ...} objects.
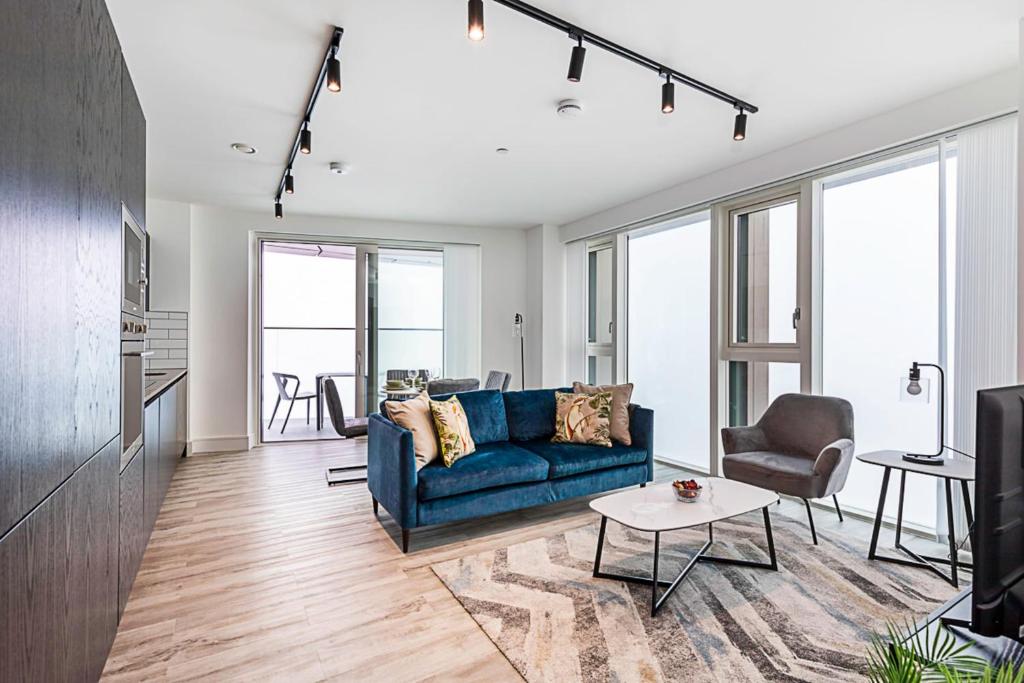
[{"x": 515, "y": 464}]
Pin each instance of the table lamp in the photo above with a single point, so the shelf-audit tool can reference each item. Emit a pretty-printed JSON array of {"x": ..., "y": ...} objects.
[{"x": 910, "y": 391}]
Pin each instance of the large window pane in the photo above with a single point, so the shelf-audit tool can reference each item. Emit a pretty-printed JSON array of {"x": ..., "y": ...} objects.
[
  {"x": 880, "y": 275},
  {"x": 308, "y": 285},
  {"x": 764, "y": 275},
  {"x": 305, "y": 353},
  {"x": 669, "y": 343},
  {"x": 410, "y": 300},
  {"x": 753, "y": 385}
]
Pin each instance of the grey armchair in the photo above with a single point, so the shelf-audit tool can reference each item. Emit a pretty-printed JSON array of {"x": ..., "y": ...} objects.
[
  {"x": 498, "y": 379},
  {"x": 802, "y": 446},
  {"x": 451, "y": 386}
]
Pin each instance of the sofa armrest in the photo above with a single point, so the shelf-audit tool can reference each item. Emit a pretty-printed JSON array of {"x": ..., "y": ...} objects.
[
  {"x": 391, "y": 469},
  {"x": 834, "y": 462},
  {"x": 744, "y": 440},
  {"x": 641, "y": 433}
]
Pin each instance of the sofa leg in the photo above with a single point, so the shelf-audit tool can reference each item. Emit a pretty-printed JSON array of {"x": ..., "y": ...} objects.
[
  {"x": 643, "y": 485},
  {"x": 405, "y": 540},
  {"x": 839, "y": 510},
  {"x": 376, "y": 506},
  {"x": 810, "y": 518}
]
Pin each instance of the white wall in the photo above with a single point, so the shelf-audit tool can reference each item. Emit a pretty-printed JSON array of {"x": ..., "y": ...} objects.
[
  {"x": 221, "y": 417},
  {"x": 996, "y": 94},
  {"x": 545, "y": 315},
  {"x": 168, "y": 225}
]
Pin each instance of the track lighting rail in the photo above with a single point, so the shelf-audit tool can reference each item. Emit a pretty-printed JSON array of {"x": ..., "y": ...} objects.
[
  {"x": 303, "y": 135},
  {"x": 578, "y": 33}
]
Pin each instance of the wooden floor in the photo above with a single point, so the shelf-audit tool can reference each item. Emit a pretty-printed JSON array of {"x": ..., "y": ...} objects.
[{"x": 258, "y": 570}]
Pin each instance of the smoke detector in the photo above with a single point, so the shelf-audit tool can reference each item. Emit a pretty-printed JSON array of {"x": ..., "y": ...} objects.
[
  {"x": 338, "y": 168},
  {"x": 570, "y": 109}
]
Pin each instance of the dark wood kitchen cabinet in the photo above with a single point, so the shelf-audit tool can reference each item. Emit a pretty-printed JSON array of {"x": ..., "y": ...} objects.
[
  {"x": 152, "y": 499},
  {"x": 133, "y": 532},
  {"x": 58, "y": 579},
  {"x": 133, "y": 142}
]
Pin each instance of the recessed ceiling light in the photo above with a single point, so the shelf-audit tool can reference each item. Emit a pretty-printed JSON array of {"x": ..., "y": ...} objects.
[
  {"x": 243, "y": 148},
  {"x": 502, "y": 150}
]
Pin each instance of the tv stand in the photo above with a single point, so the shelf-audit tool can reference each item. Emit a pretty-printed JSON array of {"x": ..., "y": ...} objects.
[{"x": 955, "y": 617}]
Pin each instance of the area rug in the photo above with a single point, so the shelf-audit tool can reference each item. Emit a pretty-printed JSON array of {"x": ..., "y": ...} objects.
[{"x": 810, "y": 621}]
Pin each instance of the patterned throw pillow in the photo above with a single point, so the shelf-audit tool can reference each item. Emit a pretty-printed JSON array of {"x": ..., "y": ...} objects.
[
  {"x": 452, "y": 430},
  {"x": 621, "y": 395},
  {"x": 583, "y": 418}
]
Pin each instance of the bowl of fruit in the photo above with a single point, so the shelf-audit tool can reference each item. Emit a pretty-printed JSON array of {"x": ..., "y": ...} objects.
[{"x": 687, "y": 491}]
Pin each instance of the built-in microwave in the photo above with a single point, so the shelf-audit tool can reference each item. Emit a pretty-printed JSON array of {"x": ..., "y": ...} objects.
[{"x": 133, "y": 265}]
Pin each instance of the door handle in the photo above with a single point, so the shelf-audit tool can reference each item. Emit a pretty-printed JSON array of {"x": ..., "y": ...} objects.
[
  {"x": 610, "y": 325},
  {"x": 796, "y": 317}
]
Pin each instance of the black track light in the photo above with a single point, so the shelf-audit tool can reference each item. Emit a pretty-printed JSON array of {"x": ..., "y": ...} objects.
[
  {"x": 278, "y": 211},
  {"x": 579, "y": 53},
  {"x": 668, "y": 96},
  {"x": 476, "y": 20},
  {"x": 334, "y": 74},
  {"x": 306, "y": 140},
  {"x": 739, "y": 131},
  {"x": 289, "y": 183}
]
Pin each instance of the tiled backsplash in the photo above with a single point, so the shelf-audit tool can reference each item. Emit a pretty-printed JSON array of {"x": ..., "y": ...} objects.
[{"x": 167, "y": 338}]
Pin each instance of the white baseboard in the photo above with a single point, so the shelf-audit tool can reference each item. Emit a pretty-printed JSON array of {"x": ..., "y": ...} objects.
[{"x": 221, "y": 444}]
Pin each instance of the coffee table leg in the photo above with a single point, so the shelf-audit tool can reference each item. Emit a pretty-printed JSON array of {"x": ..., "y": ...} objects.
[
  {"x": 600, "y": 545},
  {"x": 771, "y": 538},
  {"x": 654, "y": 574},
  {"x": 879, "y": 513}
]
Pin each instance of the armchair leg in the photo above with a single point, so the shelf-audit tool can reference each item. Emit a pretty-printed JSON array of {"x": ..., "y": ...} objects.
[
  {"x": 376, "y": 506},
  {"x": 810, "y": 518},
  {"x": 839, "y": 510},
  {"x": 405, "y": 540}
]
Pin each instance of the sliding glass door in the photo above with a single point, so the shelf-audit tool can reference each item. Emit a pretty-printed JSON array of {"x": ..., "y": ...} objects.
[
  {"x": 601, "y": 279},
  {"x": 349, "y": 313},
  {"x": 669, "y": 335}
]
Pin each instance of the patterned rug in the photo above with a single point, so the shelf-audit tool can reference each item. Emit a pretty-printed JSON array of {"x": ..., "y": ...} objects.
[{"x": 810, "y": 621}]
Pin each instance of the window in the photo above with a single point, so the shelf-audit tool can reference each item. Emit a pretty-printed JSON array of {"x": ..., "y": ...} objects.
[
  {"x": 763, "y": 267},
  {"x": 753, "y": 385},
  {"x": 669, "y": 336},
  {"x": 601, "y": 314},
  {"x": 886, "y": 266}
]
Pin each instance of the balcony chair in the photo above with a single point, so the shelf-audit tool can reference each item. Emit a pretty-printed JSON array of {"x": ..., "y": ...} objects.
[
  {"x": 802, "y": 446},
  {"x": 282, "y": 379},
  {"x": 347, "y": 427}
]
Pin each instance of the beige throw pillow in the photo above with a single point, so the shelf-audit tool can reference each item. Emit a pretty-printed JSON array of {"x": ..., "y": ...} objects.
[
  {"x": 583, "y": 418},
  {"x": 415, "y": 416},
  {"x": 452, "y": 430},
  {"x": 621, "y": 396}
]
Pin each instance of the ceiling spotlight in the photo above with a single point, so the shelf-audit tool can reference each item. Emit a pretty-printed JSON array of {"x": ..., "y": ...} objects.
[
  {"x": 243, "y": 148},
  {"x": 476, "y": 20},
  {"x": 668, "y": 95},
  {"x": 289, "y": 182},
  {"x": 306, "y": 140},
  {"x": 278, "y": 211},
  {"x": 739, "y": 131},
  {"x": 334, "y": 74},
  {"x": 579, "y": 53}
]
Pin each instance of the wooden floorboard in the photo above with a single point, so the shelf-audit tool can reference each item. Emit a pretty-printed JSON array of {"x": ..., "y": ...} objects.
[{"x": 258, "y": 570}]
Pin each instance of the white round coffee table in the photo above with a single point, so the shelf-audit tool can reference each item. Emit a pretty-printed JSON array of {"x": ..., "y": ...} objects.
[{"x": 655, "y": 508}]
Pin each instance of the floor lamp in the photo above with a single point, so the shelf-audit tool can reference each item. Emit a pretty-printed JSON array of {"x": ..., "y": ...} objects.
[{"x": 517, "y": 331}]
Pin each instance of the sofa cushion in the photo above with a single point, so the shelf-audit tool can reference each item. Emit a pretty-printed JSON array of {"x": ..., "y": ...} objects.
[
  {"x": 485, "y": 411},
  {"x": 493, "y": 464},
  {"x": 531, "y": 413},
  {"x": 567, "y": 459}
]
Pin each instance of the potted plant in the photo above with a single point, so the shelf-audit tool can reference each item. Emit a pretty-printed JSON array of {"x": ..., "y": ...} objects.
[{"x": 908, "y": 656}]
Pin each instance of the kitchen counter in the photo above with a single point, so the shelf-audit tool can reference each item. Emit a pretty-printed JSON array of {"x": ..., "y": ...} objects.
[{"x": 159, "y": 381}]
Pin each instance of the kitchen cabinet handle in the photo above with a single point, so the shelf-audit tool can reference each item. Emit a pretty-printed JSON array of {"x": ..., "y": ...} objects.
[{"x": 139, "y": 354}]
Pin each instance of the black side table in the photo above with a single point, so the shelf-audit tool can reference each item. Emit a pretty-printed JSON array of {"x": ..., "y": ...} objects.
[{"x": 950, "y": 471}]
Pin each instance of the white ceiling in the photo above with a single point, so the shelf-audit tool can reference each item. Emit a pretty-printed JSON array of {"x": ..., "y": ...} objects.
[{"x": 423, "y": 108}]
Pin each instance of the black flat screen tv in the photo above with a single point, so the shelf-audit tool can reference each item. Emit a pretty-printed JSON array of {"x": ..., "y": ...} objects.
[{"x": 998, "y": 587}]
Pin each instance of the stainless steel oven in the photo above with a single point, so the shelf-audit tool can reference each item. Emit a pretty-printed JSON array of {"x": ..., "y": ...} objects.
[
  {"x": 133, "y": 265},
  {"x": 133, "y": 382}
]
